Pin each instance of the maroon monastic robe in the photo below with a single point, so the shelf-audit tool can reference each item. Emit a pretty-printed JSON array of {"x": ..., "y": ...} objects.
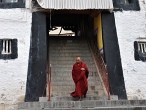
[{"x": 80, "y": 79}]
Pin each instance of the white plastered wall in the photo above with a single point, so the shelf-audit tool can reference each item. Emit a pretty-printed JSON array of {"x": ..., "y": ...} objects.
[
  {"x": 15, "y": 23},
  {"x": 130, "y": 26}
]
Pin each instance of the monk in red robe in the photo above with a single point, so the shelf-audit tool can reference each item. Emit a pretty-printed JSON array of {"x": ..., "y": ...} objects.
[{"x": 79, "y": 75}]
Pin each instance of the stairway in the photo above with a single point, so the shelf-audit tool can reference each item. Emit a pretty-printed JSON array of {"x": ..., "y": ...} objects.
[
  {"x": 63, "y": 53},
  {"x": 85, "y": 105},
  {"x": 62, "y": 56}
]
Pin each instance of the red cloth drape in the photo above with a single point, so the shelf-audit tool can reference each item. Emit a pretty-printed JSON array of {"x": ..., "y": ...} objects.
[{"x": 80, "y": 79}]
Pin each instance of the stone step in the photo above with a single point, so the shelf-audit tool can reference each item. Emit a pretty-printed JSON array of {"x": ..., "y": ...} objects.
[
  {"x": 90, "y": 79},
  {"x": 105, "y": 108},
  {"x": 65, "y": 88},
  {"x": 61, "y": 75},
  {"x": 63, "y": 93},
  {"x": 74, "y": 42},
  {"x": 70, "y": 63},
  {"x": 91, "y": 86},
  {"x": 69, "y": 67},
  {"x": 67, "y": 59},
  {"x": 61, "y": 64},
  {"x": 64, "y": 64},
  {"x": 101, "y": 108},
  {"x": 91, "y": 89},
  {"x": 69, "y": 45},
  {"x": 70, "y": 55},
  {"x": 70, "y": 76},
  {"x": 53, "y": 53},
  {"x": 71, "y": 60},
  {"x": 70, "y": 83},
  {"x": 55, "y": 75},
  {"x": 70, "y": 51},
  {"x": 53, "y": 63},
  {"x": 73, "y": 51},
  {"x": 60, "y": 70},
  {"x": 69, "y": 98},
  {"x": 67, "y": 70},
  {"x": 90, "y": 92},
  {"x": 90, "y": 104},
  {"x": 61, "y": 42},
  {"x": 82, "y": 48}
]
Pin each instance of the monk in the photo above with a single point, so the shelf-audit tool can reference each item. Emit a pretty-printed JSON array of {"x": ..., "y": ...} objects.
[{"x": 80, "y": 75}]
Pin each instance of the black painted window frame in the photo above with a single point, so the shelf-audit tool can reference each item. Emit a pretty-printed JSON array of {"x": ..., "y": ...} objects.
[
  {"x": 138, "y": 54},
  {"x": 14, "y": 50},
  {"x": 120, "y": 5},
  {"x": 19, "y": 4}
]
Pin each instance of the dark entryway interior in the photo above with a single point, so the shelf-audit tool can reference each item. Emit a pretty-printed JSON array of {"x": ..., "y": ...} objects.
[
  {"x": 83, "y": 26},
  {"x": 64, "y": 49}
]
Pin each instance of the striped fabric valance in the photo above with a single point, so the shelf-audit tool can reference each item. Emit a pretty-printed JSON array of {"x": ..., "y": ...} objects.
[{"x": 76, "y": 4}]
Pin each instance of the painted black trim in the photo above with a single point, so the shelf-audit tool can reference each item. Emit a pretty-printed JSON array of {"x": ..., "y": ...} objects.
[
  {"x": 120, "y": 5},
  {"x": 136, "y": 55},
  {"x": 14, "y": 50},
  {"x": 36, "y": 77},
  {"x": 19, "y": 4},
  {"x": 112, "y": 56}
]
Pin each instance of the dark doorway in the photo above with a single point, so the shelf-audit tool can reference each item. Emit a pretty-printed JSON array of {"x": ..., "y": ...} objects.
[{"x": 81, "y": 23}]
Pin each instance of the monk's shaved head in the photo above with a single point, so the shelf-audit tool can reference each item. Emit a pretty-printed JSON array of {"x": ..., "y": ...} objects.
[{"x": 78, "y": 59}]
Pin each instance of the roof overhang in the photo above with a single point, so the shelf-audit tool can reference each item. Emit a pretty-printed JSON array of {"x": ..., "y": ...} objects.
[{"x": 76, "y": 4}]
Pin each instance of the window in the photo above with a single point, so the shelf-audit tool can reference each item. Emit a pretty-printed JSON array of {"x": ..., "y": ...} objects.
[
  {"x": 128, "y": 1},
  {"x": 120, "y": 5},
  {"x": 8, "y": 1},
  {"x": 140, "y": 50},
  {"x": 12, "y": 3},
  {"x": 8, "y": 48}
]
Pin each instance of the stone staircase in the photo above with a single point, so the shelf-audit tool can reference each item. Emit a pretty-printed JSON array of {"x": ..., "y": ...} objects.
[
  {"x": 62, "y": 57},
  {"x": 85, "y": 105}
]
